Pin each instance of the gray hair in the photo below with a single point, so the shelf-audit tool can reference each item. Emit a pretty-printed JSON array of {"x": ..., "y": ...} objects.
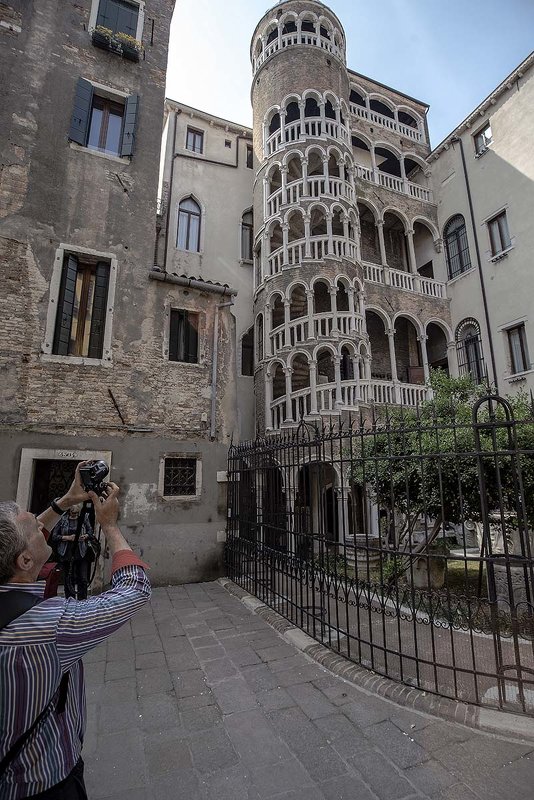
[{"x": 12, "y": 539}]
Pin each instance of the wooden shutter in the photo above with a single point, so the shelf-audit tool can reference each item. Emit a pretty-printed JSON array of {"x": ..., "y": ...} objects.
[
  {"x": 65, "y": 306},
  {"x": 98, "y": 319},
  {"x": 191, "y": 338},
  {"x": 128, "y": 129},
  {"x": 174, "y": 334},
  {"x": 81, "y": 113}
]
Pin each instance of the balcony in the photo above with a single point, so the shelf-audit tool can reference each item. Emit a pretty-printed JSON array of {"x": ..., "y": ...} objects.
[
  {"x": 321, "y": 326},
  {"x": 395, "y": 184},
  {"x": 374, "y": 273},
  {"x": 309, "y": 128},
  {"x": 314, "y": 248},
  {"x": 333, "y": 399},
  {"x": 374, "y": 118},
  {"x": 314, "y": 187},
  {"x": 293, "y": 39}
]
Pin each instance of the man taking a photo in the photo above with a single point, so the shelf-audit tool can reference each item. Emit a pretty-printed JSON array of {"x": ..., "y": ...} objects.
[{"x": 42, "y": 642}]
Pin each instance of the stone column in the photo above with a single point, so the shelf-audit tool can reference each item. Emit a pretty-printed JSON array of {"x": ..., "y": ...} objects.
[
  {"x": 313, "y": 387},
  {"x": 289, "y": 407},
  {"x": 403, "y": 175},
  {"x": 307, "y": 236},
  {"x": 287, "y": 316},
  {"x": 383, "y": 256},
  {"x": 337, "y": 373},
  {"x": 283, "y": 125},
  {"x": 267, "y": 323},
  {"x": 393, "y": 359},
  {"x": 283, "y": 173},
  {"x": 333, "y": 310},
  {"x": 268, "y": 400},
  {"x": 329, "y": 233},
  {"x": 424, "y": 356},
  {"x": 302, "y": 107},
  {"x": 285, "y": 236},
  {"x": 412, "y": 260},
  {"x": 305, "y": 186},
  {"x": 321, "y": 117},
  {"x": 265, "y": 252},
  {"x": 326, "y": 175},
  {"x": 265, "y": 196},
  {"x": 310, "y": 297},
  {"x": 452, "y": 360},
  {"x": 373, "y": 165},
  {"x": 352, "y": 311}
]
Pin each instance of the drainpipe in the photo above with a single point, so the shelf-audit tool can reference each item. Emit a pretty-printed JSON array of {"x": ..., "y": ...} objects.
[
  {"x": 215, "y": 365},
  {"x": 455, "y": 139}
]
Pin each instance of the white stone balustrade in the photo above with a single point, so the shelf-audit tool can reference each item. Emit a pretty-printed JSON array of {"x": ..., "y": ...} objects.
[
  {"x": 292, "y": 40},
  {"x": 395, "y": 184},
  {"x": 302, "y": 329},
  {"x": 314, "y": 187},
  {"x": 386, "y": 122},
  {"x": 374, "y": 273},
  {"x": 312, "y": 128},
  {"x": 314, "y": 248}
]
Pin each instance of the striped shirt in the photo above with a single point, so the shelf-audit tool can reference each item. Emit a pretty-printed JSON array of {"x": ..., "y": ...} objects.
[{"x": 36, "y": 649}]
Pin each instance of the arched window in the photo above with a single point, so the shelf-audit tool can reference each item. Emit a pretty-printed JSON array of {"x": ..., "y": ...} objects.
[
  {"x": 247, "y": 353},
  {"x": 456, "y": 246},
  {"x": 469, "y": 350},
  {"x": 189, "y": 225},
  {"x": 247, "y": 236}
]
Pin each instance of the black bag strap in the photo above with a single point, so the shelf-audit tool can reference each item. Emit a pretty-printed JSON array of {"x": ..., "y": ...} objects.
[{"x": 15, "y": 604}]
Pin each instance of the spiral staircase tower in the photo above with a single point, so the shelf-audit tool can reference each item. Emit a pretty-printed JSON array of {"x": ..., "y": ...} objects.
[{"x": 313, "y": 355}]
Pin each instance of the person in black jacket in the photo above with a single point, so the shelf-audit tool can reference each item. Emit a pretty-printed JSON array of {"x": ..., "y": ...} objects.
[{"x": 76, "y": 558}]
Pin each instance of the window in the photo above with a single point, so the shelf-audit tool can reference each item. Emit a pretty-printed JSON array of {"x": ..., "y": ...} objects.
[
  {"x": 195, "y": 140},
  {"x": 81, "y": 308},
  {"x": 189, "y": 225},
  {"x": 118, "y": 15},
  {"x": 483, "y": 139},
  {"x": 517, "y": 342},
  {"x": 456, "y": 246},
  {"x": 499, "y": 234},
  {"x": 469, "y": 350},
  {"x": 250, "y": 157},
  {"x": 247, "y": 353},
  {"x": 183, "y": 336},
  {"x": 181, "y": 476},
  {"x": 247, "y": 236},
  {"x": 102, "y": 123}
]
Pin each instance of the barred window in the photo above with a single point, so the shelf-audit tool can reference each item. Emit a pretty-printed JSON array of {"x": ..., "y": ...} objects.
[
  {"x": 180, "y": 477},
  {"x": 469, "y": 350},
  {"x": 456, "y": 246}
]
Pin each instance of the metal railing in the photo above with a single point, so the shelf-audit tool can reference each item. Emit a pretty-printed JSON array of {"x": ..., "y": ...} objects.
[{"x": 405, "y": 543}]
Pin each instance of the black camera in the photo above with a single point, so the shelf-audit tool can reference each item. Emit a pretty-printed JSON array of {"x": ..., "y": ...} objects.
[{"x": 92, "y": 475}]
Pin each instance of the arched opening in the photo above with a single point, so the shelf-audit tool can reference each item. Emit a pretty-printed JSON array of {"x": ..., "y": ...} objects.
[
  {"x": 259, "y": 48},
  {"x": 276, "y": 237},
  {"x": 296, "y": 227},
  {"x": 469, "y": 350},
  {"x": 247, "y": 353},
  {"x": 324, "y": 32},
  {"x": 357, "y": 511},
  {"x": 259, "y": 338},
  {"x": 326, "y": 371},
  {"x": 387, "y": 162},
  {"x": 395, "y": 241},
  {"x": 321, "y": 298},
  {"x": 423, "y": 243},
  {"x": 318, "y": 222},
  {"x": 370, "y": 245},
  {"x": 272, "y": 34},
  {"x": 329, "y": 110},
  {"x": 189, "y": 216},
  {"x": 408, "y": 352},
  {"x": 408, "y": 119},
  {"x": 274, "y": 509},
  {"x": 356, "y": 98},
  {"x": 294, "y": 169},
  {"x": 290, "y": 26},
  {"x": 381, "y": 361},
  {"x": 315, "y": 164},
  {"x": 298, "y": 302},
  {"x": 362, "y": 154},
  {"x": 456, "y": 246},
  {"x": 436, "y": 347},
  {"x": 338, "y": 228},
  {"x": 300, "y": 376},
  {"x": 292, "y": 112},
  {"x": 279, "y": 382},
  {"x": 277, "y": 312},
  {"x": 311, "y": 108},
  {"x": 346, "y": 364},
  {"x": 333, "y": 167},
  {"x": 308, "y": 25},
  {"x": 274, "y": 124},
  {"x": 381, "y": 108},
  {"x": 275, "y": 180},
  {"x": 342, "y": 297},
  {"x": 316, "y": 513},
  {"x": 414, "y": 172}
]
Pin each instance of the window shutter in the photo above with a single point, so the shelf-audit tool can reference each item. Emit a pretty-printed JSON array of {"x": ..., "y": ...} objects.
[
  {"x": 65, "y": 306},
  {"x": 174, "y": 335},
  {"x": 191, "y": 342},
  {"x": 81, "y": 113},
  {"x": 130, "y": 119},
  {"x": 98, "y": 320}
]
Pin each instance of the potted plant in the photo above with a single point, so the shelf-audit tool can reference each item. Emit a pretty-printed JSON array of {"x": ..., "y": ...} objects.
[
  {"x": 131, "y": 48},
  {"x": 102, "y": 37}
]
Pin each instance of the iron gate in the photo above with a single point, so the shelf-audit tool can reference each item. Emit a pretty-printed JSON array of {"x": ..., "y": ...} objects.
[{"x": 405, "y": 544}]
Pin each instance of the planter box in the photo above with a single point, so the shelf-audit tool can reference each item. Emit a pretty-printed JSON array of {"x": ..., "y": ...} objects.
[
  {"x": 129, "y": 52},
  {"x": 100, "y": 40}
]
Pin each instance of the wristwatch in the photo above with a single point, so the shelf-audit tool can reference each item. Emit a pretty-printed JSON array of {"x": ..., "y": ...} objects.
[{"x": 57, "y": 509}]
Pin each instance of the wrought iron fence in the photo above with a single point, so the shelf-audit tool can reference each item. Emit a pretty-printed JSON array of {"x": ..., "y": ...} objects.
[{"x": 405, "y": 543}]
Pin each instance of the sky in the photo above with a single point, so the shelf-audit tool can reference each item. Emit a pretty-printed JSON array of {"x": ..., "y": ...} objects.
[{"x": 450, "y": 55}]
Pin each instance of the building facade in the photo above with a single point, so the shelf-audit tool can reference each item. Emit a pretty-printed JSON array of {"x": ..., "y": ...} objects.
[{"x": 482, "y": 176}]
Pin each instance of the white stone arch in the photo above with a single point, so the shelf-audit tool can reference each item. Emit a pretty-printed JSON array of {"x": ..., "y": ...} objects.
[
  {"x": 350, "y": 345},
  {"x": 359, "y": 89},
  {"x": 292, "y": 212},
  {"x": 288, "y": 15},
  {"x": 382, "y": 99},
  {"x": 375, "y": 211},
  {"x": 358, "y": 285},
  {"x": 314, "y": 93},
  {"x": 335, "y": 150},
  {"x": 316, "y": 148},
  {"x": 334, "y": 99},
  {"x": 337, "y": 206},
  {"x": 443, "y": 326},
  {"x": 290, "y": 155},
  {"x": 292, "y": 97},
  {"x": 310, "y": 458},
  {"x": 366, "y": 139},
  {"x": 415, "y": 114},
  {"x": 318, "y": 204},
  {"x": 344, "y": 279},
  {"x": 324, "y": 346},
  {"x": 345, "y": 110},
  {"x": 418, "y": 325},
  {"x": 322, "y": 279},
  {"x": 383, "y": 315},
  {"x": 417, "y": 159},
  {"x": 308, "y": 16},
  {"x": 293, "y": 285},
  {"x": 272, "y": 296},
  {"x": 326, "y": 23},
  {"x": 270, "y": 224},
  {"x": 271, "y": 168},
  {"x": 298, "y": 352},
  {"x": 429, "y": 224},
  {"x": 396, "y": 212},
  {"x": 388, "y": 146}
]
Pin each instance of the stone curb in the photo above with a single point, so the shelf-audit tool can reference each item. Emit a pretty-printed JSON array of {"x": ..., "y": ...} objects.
[{"x": 500, "y": 723}]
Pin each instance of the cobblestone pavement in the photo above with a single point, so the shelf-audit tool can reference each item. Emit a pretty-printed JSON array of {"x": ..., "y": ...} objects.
[{"x": 200, "y": 699}]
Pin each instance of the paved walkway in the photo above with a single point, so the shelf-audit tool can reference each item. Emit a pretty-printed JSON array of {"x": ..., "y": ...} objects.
[{"x": 199, "y": 699}]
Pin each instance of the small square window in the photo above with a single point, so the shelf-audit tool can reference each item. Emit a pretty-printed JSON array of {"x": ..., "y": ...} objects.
[
  {"x": 499, "y": 234},
  {"x": 250, "y": 156},
  {"x": 181, "y": 476},
  {"x": 483, "y": 139},
  {"x": 517, "y": 342},
  {"x": 183, "y": 336},
  {"x": 195, "y": 140},
  {"x": 227, "y": 143}
]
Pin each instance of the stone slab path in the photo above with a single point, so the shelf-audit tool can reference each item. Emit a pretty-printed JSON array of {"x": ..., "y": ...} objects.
[{"x": 199, "y": 699}]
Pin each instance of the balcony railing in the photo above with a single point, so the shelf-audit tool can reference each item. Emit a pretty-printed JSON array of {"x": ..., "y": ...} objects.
[
  {"x": 302, "y": 329},
  {"x": 315, "y": 249},
  {"x": 314, "y": 187},
  {"x": 293, "y": 39},
  {"x": 331, "y": 399},
  {"x": 403, "y": 186},
  {"x": 311, "y": 128},
  {"x": 374, "y": 273},
  {"x": 386, "y": 122}
]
